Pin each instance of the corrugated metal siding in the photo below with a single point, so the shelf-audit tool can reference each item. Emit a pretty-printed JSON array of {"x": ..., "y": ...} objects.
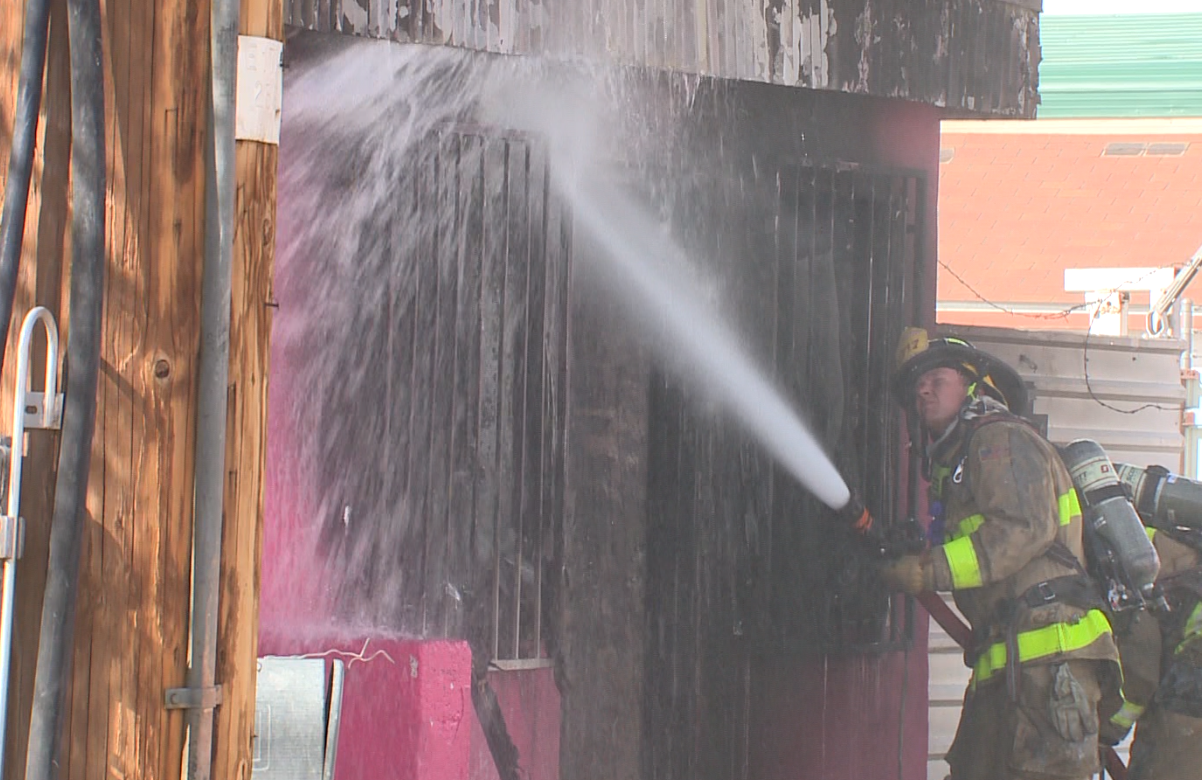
[
  {"x": 1129, "y": 401},
  {"x": 945, "y": 690},
  {"x": 971, "y": 55},
  {"x": 1121, "y": 66},
  {"x": 1125, "y": 374}
]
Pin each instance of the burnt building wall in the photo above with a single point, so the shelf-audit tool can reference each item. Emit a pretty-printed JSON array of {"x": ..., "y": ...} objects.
[
  {"x": 484, "y": 445},
  {"x": 978, "y": 56},
  {"x": 769, "y": 649}
]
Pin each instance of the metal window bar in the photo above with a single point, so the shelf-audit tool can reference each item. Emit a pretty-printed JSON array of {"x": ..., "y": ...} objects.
[
  {"x": 868, "y": 221},
  {"x": 486, "y": 475}
]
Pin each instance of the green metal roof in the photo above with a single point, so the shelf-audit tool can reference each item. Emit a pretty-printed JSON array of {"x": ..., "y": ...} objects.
[{"x": 1121, "y": 66}]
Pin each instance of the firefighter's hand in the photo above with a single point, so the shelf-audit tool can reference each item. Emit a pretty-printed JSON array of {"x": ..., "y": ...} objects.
[
  {"x": 909, "y": 574},
  {"x": 1111, "y": 733}
]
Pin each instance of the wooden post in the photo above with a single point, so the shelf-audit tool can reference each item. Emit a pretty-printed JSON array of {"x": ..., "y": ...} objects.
[
  {"x": 131, "y": 631},
  {"x": 41, "y": 284},
  {"x": 246, "y": 440}
]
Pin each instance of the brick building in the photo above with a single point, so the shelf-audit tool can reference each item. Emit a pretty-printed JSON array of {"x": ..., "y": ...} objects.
[{"x": 1109, "y": 176}]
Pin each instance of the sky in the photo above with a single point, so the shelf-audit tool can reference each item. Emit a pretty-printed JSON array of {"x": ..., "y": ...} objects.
[{"x": 1078, "y": 7}]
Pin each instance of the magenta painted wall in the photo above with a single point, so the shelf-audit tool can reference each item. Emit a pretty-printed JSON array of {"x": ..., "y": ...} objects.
[
  {"x": 530, "y": 703},
  {"x": 407, "y": 709},
  {"x": 860, "y": 718},
  {"x": 406, "y": 706}
]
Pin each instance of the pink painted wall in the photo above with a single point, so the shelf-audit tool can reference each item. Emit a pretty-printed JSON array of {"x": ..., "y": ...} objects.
[
  {"x": 407, "y": 709},
  {"x": 529, "y": 701},
  {"x": 857, "y": 718}
]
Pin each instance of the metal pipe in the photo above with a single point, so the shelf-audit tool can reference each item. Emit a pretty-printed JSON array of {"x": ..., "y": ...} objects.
[
  {"x": 20, "y": 160},
  {"x": 79, "y": 415},
  {"x": 213, "y": 385},
  {"x": 16, "y": 458}
]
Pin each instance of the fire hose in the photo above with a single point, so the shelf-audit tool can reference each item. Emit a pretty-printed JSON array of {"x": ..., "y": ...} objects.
[{"x": 956, "y": 628}]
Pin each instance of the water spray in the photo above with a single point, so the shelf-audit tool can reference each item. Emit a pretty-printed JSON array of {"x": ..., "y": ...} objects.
[
  {"x": 641, "y": 263},
  {"x": 647, "y": 266}
]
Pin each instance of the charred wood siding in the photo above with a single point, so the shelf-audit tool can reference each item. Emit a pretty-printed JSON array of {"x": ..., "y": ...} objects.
[
  {"x": 978, "y": 56},
  {"x": 743, "y": 564},
  {"x": 447, "y": 453}
]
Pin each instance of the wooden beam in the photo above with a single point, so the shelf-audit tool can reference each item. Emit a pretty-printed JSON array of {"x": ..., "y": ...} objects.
[
  {"x": 246, "y": 440},
  {"x": 41, "y": 284},
  {"x": 131, "y": 634},
  {"x": 132, "y": 621}
]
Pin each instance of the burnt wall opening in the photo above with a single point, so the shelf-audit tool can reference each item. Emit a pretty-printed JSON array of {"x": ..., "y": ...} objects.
[
  {"x": 493, "y": 453},
  {"x": 741, "y": 561}
]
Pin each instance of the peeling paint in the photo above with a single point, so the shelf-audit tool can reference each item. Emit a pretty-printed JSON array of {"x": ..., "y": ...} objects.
[
  {"x": 356, "y": 17},
  {"x": 863, "y": 40},
  {"x": 820, "y": 44}
]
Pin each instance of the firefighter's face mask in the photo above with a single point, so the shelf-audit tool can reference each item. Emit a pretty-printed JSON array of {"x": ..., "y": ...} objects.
[{"x": 938, "y": 396}]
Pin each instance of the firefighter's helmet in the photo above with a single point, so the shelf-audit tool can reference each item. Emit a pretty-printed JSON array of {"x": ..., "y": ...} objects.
[{"x": 918, "y": 353}]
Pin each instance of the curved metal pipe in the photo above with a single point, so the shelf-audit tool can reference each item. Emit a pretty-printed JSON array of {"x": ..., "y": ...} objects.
[
  {"x": 79, "y": 414},
  {"x": 42, "y": 315},
  {"x": 20, "y": 161}
]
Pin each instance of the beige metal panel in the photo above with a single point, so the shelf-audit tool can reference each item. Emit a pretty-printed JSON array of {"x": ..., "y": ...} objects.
[
  {"x": 947, "y": 681},
  {"x": 860, "y": 46},
  {"x": 1128, "y": 396}
]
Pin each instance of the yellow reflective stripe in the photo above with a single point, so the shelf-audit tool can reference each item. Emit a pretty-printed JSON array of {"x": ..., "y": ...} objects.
[
  {"x": 1043, "y": 642},
  {"x": 1068, "y": 504},
  {"x": 965, "y": 526},
  {"x": 1127, "y": 715},
  {"x": 962, "y": 560},
  {"x": 938, "y": 475},
  {"x": 1193, "y": 627},
  {"x": 1070, "y": 507},
  {"x": 1151, "y": 534}
]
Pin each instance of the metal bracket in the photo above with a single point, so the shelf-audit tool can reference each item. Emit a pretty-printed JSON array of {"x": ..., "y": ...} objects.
[
  {"x": 38, "y": 416},
  {"x": 12, "y": 536},
  {"x": 193, "y": 698}
]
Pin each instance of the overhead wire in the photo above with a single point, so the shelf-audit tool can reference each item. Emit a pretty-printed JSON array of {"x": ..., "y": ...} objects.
[
  {"x": 1052, "y": 315},
  {"x": 1064, "y": 314}
]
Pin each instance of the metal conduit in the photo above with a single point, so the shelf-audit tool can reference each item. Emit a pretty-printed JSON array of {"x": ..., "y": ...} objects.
[
  {"x": 48, "y": 414},
  {"x": 20, "y": 161},
  {"x": 213, "y": 384},
  {"x": 79, "y": 415}
]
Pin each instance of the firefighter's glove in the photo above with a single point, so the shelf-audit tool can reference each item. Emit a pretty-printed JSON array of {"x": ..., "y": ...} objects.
[
  {"x": 909, "y": 574},
  {"x": 1073, "y": 715},
  {"x": 1111, "y": 733}
]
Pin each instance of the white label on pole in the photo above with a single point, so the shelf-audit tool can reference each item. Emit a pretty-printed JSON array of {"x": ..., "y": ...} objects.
[{"x": 260, "y": 89}]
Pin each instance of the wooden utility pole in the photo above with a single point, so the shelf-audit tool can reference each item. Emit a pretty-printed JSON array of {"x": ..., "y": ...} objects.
[
  {"x": 132, "y": 623},
  {"x": 246, "y": 440},
  {"x": 46, "y": 243}
]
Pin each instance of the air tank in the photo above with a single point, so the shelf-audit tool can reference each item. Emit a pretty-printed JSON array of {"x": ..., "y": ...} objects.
[
  {"x": 1165, "y": 500},
  {"x": 1119, "y": 545}
]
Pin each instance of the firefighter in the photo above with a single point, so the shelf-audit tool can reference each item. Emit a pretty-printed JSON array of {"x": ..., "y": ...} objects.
[
  {"x": 1009, "y": 525},
  {"x": 1162, "y": 668}
]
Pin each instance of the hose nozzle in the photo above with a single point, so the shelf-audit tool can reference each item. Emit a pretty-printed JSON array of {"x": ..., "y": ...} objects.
[{"x": 857, "y": 516}]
